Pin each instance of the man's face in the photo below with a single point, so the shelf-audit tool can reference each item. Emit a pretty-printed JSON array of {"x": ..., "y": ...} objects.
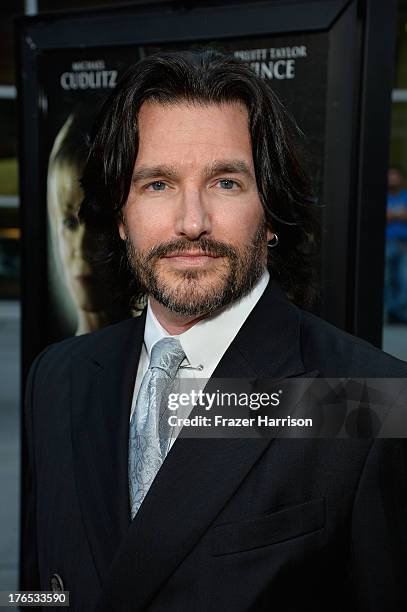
[{"x": 195, "y": 230}]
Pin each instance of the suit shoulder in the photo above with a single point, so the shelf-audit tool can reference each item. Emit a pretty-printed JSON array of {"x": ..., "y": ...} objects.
[
  {"x": 86, "y": 344},
  {"x": 336, "y": 353}
]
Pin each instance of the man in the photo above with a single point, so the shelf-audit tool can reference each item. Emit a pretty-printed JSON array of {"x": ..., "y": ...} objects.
[
  {"x": 396, "y": 249},
  {"x": 191, "y": 175}
]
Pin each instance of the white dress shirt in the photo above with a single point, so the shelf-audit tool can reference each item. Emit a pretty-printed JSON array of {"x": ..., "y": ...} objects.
[{"x": 205, "y": 343}]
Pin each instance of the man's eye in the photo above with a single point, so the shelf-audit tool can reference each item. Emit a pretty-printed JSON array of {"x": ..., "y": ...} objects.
[
  {"x": 227, "y": 184},
  {"x": 157, "y": 186}
]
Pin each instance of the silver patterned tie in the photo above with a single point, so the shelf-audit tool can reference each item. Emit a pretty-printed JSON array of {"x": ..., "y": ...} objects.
[{"x": 146, "y": 450}]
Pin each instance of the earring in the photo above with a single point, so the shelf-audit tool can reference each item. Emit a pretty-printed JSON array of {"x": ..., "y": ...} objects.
[{"x": 273, "y": 242}]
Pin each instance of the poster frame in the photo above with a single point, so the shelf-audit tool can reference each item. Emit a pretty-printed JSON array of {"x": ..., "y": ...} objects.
[{"x": 355, "y": 157}]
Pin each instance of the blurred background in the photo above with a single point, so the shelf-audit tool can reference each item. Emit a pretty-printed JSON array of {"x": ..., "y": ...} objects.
[{"x": 393, "y": 273}]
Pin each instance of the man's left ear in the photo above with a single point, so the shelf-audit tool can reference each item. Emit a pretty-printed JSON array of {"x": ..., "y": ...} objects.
[
  {"x": 120, "y": 225},
  {"x": 270, "y": 234}
]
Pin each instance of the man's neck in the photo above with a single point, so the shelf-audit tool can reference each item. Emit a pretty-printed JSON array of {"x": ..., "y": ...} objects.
[
  {"x": 172, "y": 322},
  {"x": 176, "y": 324}
]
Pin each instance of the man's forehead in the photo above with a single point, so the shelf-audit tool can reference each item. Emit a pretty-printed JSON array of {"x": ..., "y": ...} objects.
[
  {"x": 193, "y": 134},
  {"x": 204, "y": 121}
]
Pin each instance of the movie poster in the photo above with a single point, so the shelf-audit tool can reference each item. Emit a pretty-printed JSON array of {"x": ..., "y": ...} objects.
[{"x": 74, "y": 84}]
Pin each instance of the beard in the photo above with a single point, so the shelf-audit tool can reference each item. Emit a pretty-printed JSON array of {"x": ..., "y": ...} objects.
[{"x": 198, "y": 292}]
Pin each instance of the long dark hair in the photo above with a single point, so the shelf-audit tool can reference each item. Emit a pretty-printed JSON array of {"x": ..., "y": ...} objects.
[{"x": 209, "y": 77}]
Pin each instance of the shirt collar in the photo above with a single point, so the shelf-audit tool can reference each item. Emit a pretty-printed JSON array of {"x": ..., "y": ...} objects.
[
  {"x": 153, "y": 331},
  {"x": 206, "y": 342}
]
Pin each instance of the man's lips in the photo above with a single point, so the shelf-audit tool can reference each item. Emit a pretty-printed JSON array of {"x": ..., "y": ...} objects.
[
  {"x": 192, "y": 258},
  {"x": 191, "y": 254}
]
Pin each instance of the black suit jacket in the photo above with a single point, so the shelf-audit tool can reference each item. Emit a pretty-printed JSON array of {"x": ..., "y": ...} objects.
[{"x": 228, "y": 524}]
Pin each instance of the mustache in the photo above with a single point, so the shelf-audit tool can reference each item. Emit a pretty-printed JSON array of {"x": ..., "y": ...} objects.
[{"x": 215, "y": 248}]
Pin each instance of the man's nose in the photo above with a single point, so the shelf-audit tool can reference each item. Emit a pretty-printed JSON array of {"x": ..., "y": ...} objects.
[{"x": 192, "y": 218}]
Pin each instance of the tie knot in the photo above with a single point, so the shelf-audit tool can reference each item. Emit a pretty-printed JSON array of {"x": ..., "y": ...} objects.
[{"x": 167, "y": 355}]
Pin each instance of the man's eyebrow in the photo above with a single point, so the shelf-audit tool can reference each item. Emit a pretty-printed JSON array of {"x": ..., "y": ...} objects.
[
  {"x": 151, "y": 172},
  {"x": 221, "y": 166},
  {"x": 232, "y": 166}
]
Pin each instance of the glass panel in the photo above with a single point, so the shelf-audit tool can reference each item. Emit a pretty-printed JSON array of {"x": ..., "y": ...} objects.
[
  {"x": 8, "y": 11},
  {"x": 395, "y": 282},
  {"x": 8, "y": 148},
  {"x": 9, "y": 253}
]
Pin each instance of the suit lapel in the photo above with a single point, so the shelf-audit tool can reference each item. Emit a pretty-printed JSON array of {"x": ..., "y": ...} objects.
[
  {"x": 102, "y": 388},
  {"x": 199, "y": 476},
  {"x": 268, "y": 344}
]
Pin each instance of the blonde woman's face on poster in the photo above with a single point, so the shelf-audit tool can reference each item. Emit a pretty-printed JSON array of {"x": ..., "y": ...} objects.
[{"x": 71, "y": 239}]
